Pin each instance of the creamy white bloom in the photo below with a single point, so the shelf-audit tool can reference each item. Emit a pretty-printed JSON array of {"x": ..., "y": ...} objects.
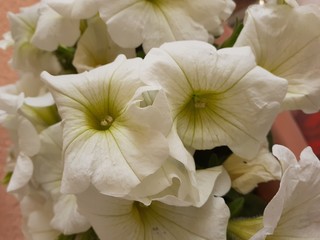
[
  {"x": 151, "y": 23},
  {"x": 294, "y": 211},
  {"x": 53, "y": 30},
  {"x": 216, "y": 97},
  {"x": 247, "y": 174},
  {"x": 26, "y": 56},
  {"x": 115, "y": 218},
  {"x": 293, "y": 57},
  {"x": 106, "y": 142},
  {"x": 96, "y": 48}
]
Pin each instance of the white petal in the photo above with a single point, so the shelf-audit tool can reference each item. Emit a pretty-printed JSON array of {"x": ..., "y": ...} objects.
[
  {"x": 294, "y": 210},
  {"x": 112, "y": 218},
  {"x": 7, "y": 41},
  {"x": 247, "y": 174},
  {"x": 132, "y": 23},
  {"x": 75, "y": 9},
  {"x": 29, "y": 142},
  {"x": 293, "y": 57},
  {"x": 66, "y": 217},
  {"x": 22, "y": 173},
  {"x": 53, "y": 30},
  {"x": 207, "y": 222},
  {"x": 95, "y": 47},
  {"x": 125, "y": 21},
  {"x": 48, "y": 163}
]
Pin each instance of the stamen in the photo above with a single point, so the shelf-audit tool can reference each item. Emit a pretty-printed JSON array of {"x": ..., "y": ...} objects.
[{"x": 107, "y": 121}]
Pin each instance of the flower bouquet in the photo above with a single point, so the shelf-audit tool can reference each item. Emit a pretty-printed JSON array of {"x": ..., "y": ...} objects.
[{"x": 130, "y": 122}]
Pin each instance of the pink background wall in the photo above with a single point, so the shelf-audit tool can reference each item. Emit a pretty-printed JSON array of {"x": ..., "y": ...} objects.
[{"x": 10, "y": 220}]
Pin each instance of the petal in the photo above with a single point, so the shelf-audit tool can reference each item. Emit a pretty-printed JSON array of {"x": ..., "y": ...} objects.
[
  {"x": 111, "y": 218},
  {"x": 294, "y": 211},
  {"x": 66, "y": 217},
  {"x": 247, "y": 174},
  {"x": 29, "y": 142},
  {"x": 48, "y": 163},
  {"x": 294, "y": 57},
  {"x": 125, "y": 21},
  {"x": 22, "y": 173},
  {"x": 53, "y": 30},
  {"x": 95, "y": 47},
  {"x": 75, "y": 9},
  {"x": 171, "y": 222}
]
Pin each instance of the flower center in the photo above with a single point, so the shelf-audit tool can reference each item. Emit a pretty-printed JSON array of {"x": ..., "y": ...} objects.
[
  {"x": 107, "y": 121},
  {"x": 199, "y": 102}
]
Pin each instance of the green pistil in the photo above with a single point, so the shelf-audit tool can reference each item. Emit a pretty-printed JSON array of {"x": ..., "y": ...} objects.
[{"x": 199, "y": 102}]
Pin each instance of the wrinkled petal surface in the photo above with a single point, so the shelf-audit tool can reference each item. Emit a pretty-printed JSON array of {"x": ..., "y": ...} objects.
[{"x": 295, "y": 57}]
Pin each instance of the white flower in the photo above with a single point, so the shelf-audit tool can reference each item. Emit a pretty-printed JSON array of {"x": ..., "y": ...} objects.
[
  {"x": 294, "y": 211},
  {"x": 105, "y": 140},
  {"x": 53, "y": 30},
  {"x": 151, "y": 23},
  {"x": 27, "y": 57},
  {"x": 95, "y": 47},
  {"x": 115, "y": 218},
  {"x": 295, "y": 56},
  {"x": 247, "y": 174},
  {"x": 216, "y": 97}
]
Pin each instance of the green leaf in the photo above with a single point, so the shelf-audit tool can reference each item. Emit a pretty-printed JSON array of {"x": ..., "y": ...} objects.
[
  {"x": 88, "y": 235},
  {"x": 211, "y": 158},
  {"x": 7, "y": 178},
  {"x": 233, "y": 38},
  {"x": 65, "y": 56},
  {"x": 140, "y": 52},
  {"x": 236, "y": 207},
  {"x": 67, "y": 237}
]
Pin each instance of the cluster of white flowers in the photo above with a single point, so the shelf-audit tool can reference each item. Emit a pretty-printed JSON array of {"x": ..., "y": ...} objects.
[{"x": 116, "y": 97}]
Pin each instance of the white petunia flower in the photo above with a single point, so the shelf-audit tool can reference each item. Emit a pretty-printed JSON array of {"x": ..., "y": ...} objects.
[
  {"x": 106, "y": 140},
  {"x": 247, "y": 174},
  {"x": 119, "y": 219},
  {"x": 96, "y": 48},
  {"x": 26, "y": 56},
  {"x": 53, "y": 30},
  {"x": 216, "y": 97},
  {"x": 151, "y": 23},
  {"x": 295, "y": 57},
  {"x": 294, "y": 211}
]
